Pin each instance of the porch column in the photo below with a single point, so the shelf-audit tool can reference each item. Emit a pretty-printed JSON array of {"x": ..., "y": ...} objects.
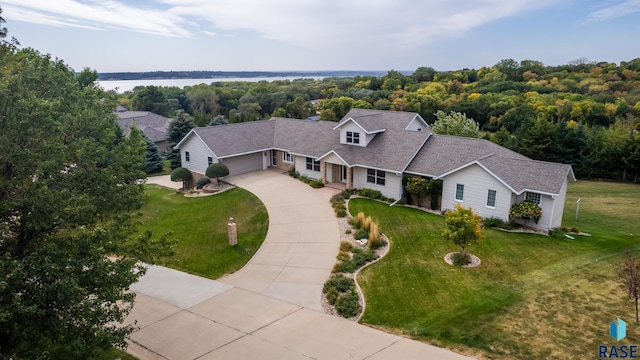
[
  {"x": 323, "y": 171},
  {"x": 349, "y": 178}
]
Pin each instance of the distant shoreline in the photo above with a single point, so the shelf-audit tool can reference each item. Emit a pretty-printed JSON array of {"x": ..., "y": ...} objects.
[{"x": 221, "y": 75}]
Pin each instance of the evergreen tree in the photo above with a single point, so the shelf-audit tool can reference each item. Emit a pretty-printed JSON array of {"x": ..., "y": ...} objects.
[
  {"x": 178, "y": 129},
  {"x": 153, "y": 162},
  {"x": 538, "y": 140}
]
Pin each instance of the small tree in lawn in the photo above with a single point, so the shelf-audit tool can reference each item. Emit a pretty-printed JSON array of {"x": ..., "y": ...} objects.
[
  {"x": 463, "y": 227},
  {"x": 217, "y": 170},
  {"x": 181, "y": 174},
  {"x": 629, "y": 277}
]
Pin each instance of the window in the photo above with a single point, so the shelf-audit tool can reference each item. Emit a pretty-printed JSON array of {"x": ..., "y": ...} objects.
[
  {"x": 375, "y": 176},
  {"x": 491, "y": 198},
  {"x": 186, "y": 156},
  {"x": 532, "y": 197},
  {"x": 353, "y": 137},
  {"x": 313, "y": 165},
  {"x": 209, "y": 160},
  {"x": 287, "y": 157},
  {"x": 459, "y": 192}
]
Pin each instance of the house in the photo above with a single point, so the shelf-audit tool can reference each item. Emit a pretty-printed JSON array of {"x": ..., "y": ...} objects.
[
  {"x": 375, "y": 149},
  {"x": 153, "y": 125}
]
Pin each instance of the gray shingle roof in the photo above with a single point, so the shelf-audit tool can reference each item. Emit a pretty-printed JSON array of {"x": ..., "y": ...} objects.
[
  {"x": 153, "y": 125},
  {"x": 443, "y": 154},
  {"x": 394, "y": 149}
]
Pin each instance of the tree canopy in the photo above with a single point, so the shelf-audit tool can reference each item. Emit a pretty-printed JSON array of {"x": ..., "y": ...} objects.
[
  {"x": 68, "y": 184},
  {"x": 455, "y": 123},
  {"x": 462, "y": 226}
]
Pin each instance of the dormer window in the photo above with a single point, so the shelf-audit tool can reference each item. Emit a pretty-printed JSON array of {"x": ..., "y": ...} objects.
[{"x": 353, "y": 137}]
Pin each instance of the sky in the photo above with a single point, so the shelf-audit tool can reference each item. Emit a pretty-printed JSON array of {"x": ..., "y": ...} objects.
[{"x": 309, "y": 35}]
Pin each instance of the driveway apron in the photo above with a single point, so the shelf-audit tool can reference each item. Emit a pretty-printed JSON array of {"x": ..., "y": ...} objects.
[{"x": 270, "y": 309}]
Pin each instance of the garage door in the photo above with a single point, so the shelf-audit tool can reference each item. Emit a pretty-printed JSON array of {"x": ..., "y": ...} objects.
[{"x": 244, "y": 163}]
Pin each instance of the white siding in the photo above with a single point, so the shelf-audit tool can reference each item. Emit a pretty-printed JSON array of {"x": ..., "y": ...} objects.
[
  {"x": 333, "y": 159},
  {"x": 559, "y": 206},
  {"x": 350, "y": 126},
  {"x": 391, "y": 189},
  {"x": 417, "y": 125},
  {"x": 547, "y": 205},
  {"x": 301, "y": 167},
  {"x": 198, "y": 154},
  {"x": 477, "y": 182}
]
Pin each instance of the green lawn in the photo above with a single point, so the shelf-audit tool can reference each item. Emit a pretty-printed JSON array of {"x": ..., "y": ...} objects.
[
  {"x": 200, "y": 225},
  {"x": 533, "y": 296}
]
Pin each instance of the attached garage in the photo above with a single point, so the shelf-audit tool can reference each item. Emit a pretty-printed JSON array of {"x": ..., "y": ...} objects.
[{"x": 244, "y": 163}]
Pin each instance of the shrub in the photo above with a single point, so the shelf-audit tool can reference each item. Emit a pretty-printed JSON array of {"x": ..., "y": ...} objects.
[
  {"x": 460, "y": 259},
  {"x": 291, "y": 172},
  {"x": 370, "y": 193},
  {"x": 348, "y": 305},
  {"x": 361, "y": 234},
  {"x": 346, "y": 246},
  {"x": 341, "y": 212},
  {"x": 376, "y": 244},
  {"x": 575, "y": 230},
  {"x": 526, "y": 210},
  {"x": 339, "y": 206},
  {"x": 346, "y": 193},
  {"x": 316, "y": 184},
  {"x": 556, "y": 233},
  {"x": 202, "y": 182},
  {"x": 361, "y": 257},
  {"x": 348, "y": 231},
  {"x": 343, "y": 256},
  {"x": 360, "y": 220},
  {"x": 332, "y": 296},
  {"x": 217, "y": 170},
  {"x": 493, "y": 222},
  {"x": 366, "y": 223},
  {"x": 353, "y": 222},
  {"x": 337, "y": 199},
  {"x": 181, "y": 174},
  {"x": 340, "y": 283}
]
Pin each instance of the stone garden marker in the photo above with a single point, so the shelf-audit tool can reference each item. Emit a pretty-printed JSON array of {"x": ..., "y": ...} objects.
[{"x": 233, "y": 233}]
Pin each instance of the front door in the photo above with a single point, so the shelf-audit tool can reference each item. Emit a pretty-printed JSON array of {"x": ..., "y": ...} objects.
[
  {"x": 274, "y": 159},
  {"x": 343, "y": 173}
]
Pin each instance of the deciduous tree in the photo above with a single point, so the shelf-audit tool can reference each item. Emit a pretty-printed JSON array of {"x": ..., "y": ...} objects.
[
  {"x": 462, "y": 226},
  {"x": 455, "y": 123},
  {"x": 629, "y": 277},
  {"x": 68, "y": 187}
]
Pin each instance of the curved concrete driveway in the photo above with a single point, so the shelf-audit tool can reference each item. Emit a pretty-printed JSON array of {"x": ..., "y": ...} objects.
[
  {"x": 300, "y": 249},
  {"x": 268, "y": 309}
]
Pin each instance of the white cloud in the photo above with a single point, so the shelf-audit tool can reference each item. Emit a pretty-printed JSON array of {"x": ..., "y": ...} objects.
[
  {"x": 352, "y": 24},
  {"x": 210, "y": 33},
  {"x": 613, "y": 11},
  {"x": 95, "y": 14}
]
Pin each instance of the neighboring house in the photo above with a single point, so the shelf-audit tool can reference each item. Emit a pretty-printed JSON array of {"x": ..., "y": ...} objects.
[
  {"x": 375, "y": 149},
  {"x": 153, "y": 125}
]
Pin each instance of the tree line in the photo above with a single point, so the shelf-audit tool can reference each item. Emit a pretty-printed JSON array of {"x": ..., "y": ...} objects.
[{"x": 582, "y": 113}]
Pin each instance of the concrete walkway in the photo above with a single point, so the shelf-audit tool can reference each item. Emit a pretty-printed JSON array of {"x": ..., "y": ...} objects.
[{"x": 270, "y": 309}]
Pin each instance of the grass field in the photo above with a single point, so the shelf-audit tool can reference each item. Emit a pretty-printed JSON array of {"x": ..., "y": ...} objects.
[
  {"x": 200, "y": 225},
  {"x": 533, "y": 296}
]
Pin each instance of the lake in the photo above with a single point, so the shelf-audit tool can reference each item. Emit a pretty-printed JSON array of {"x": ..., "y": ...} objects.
[{"x": 122, "y": 86}]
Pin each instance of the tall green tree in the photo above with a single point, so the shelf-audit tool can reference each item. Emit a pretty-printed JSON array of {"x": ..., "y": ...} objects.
[
  {"x": 455, "y": 123},
  {"x": 153, "y": 162},
  {"x": 150, "y": 98},
  {"x": 538, "y": 141},
  {"x": 68, "y": 188},
  {"x": 178, "y": 129}
]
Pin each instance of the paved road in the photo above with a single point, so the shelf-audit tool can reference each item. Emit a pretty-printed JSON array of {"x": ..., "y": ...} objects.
[{"x": 270, "y": 309}]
